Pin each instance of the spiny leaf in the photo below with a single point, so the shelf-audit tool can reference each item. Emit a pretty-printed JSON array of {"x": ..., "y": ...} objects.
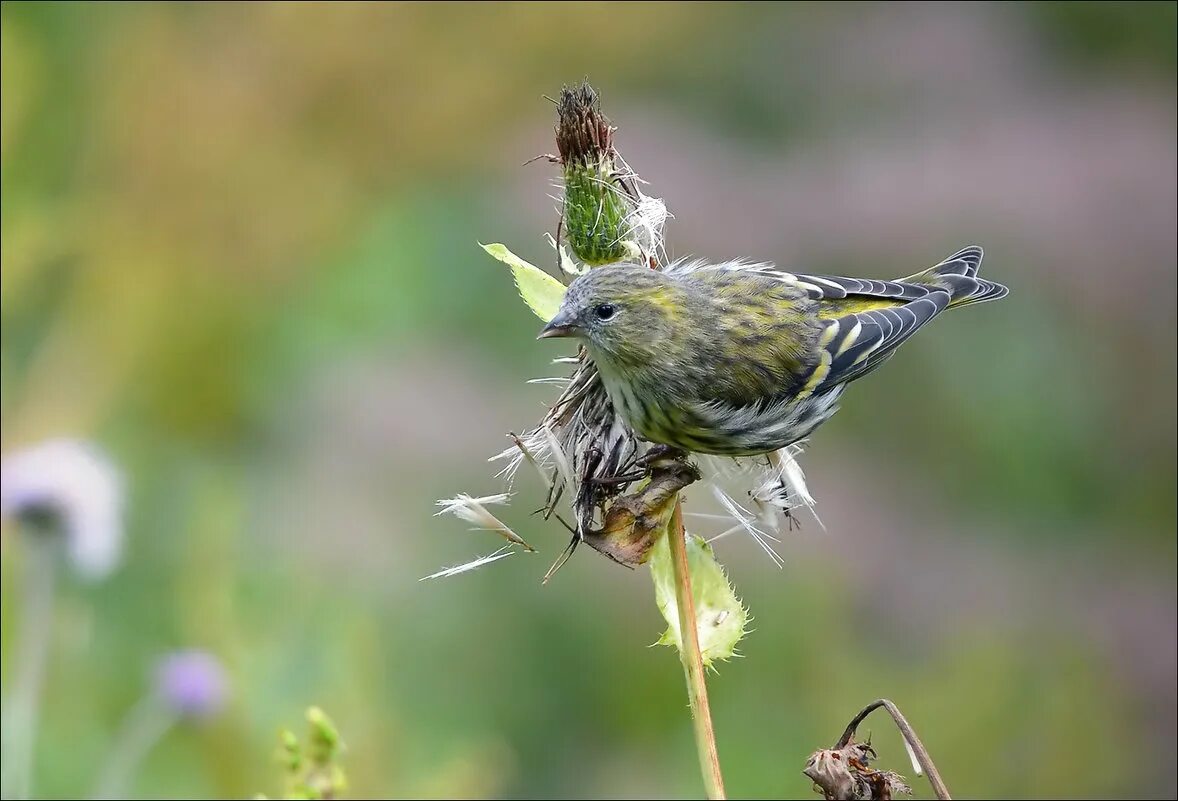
[
  {"x": 720, "y": 616},
  {"x": 540, "y": 291}
]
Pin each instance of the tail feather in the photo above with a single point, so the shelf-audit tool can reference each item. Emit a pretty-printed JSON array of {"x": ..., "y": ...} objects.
[
  {"x": 958, "y": 274},
  {"x": 969, "y": 257},
  {"x": 981, "y": 291}
]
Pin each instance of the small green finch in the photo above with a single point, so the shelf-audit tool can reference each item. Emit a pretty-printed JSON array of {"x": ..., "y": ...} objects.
[{"x": 740, "y": 359}]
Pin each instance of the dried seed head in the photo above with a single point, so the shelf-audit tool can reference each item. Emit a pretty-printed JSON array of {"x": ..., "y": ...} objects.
[
  {"x": 583, "y": 133},
  {"x": 633, "y": 522},
  {"x": 828, "y": 769},
  {"x": 597, "y": 202},
  {"x": 845, "y": 774}
]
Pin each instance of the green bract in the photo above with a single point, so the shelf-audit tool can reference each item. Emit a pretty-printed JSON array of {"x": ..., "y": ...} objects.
[
  {"x": 540, "y": 291},
  {"x": 594, "y": 212},
  {"x": 720, "y": 616}
]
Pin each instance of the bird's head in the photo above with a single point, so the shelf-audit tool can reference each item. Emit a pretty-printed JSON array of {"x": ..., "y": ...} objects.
[{"x": 622, "y": 313}]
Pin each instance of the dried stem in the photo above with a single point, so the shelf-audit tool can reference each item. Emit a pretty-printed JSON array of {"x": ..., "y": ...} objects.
[
  {"x": 922, "y": 756},
  {"x": 692, "y": 658}
]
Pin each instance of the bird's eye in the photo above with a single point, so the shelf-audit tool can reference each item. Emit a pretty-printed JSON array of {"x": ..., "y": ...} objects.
[{"x": 605, "y": 311}]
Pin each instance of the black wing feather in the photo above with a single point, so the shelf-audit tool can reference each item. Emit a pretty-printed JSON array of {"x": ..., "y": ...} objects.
[{"x": 865, "y": 339}]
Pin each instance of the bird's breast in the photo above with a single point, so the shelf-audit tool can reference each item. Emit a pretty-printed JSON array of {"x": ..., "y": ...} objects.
[{"x": 646, "y": 405}]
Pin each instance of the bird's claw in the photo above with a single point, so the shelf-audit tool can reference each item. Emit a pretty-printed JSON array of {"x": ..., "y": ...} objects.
[
  {"x": 657, "y": 456},
  {"x": 660, "y": 453}
]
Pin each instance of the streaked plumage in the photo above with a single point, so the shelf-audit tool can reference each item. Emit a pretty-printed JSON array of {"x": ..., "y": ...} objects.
[{"x": 740, "y": 359}]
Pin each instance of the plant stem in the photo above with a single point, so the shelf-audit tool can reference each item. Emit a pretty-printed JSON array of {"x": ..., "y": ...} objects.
[
  {"x": 913, "y": 742},
  {"x": 692, "y": 659},
  {"x": 145, "y": 725},
  {"x": 32, "y": 652}
]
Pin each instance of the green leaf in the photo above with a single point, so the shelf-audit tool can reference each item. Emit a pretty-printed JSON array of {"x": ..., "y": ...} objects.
[
  {"x": 720, "y": 616},
  {"x": 540, "y": 291}
]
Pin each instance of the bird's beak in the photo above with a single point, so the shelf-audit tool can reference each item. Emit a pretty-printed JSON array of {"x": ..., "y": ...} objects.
[{"x": 560, "y": 326}]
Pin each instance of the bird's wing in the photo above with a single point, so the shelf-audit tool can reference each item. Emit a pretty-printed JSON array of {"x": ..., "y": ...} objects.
[
  {"x": 835, "y": 295},
  {"x": 865, "y": 321}
]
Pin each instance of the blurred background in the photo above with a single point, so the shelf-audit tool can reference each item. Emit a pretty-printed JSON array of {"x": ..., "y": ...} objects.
[{"x": 240, "y": 254}]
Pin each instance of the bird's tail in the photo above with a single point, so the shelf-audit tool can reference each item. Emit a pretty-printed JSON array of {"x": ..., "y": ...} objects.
[{"x": 959, "y": 274}]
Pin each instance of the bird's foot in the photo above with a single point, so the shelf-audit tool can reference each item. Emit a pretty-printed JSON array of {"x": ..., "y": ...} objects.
[
  {"x": 621, "y": 478},
  {"x": 657, "y": 457},
  {"x": 661, "y": 453}
]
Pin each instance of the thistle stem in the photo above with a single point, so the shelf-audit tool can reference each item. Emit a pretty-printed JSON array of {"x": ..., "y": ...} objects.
[
  {"x": 916, "y": 747},
  {"x": 692, "y": 659}
]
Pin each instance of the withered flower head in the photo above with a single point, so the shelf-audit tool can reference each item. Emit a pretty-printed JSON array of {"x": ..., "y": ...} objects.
[
  {"x": 845, "y": 774},
  {"x": 583, "y": 133}
]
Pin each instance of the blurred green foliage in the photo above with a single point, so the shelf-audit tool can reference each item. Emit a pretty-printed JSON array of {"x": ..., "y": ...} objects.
[
  {"x": 1134, "y": 32},
  {"x": 313, "y": 770},
  {"x": 239, "y": 249}
]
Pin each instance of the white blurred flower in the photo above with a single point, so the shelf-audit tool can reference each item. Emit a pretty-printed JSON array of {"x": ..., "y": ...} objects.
[{"x": 74, "y": 487}]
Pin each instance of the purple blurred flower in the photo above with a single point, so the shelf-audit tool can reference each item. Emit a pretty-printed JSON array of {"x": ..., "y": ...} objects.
[
  {"x": 69, "y": 486},
  {"x": 191, "y": 683}
]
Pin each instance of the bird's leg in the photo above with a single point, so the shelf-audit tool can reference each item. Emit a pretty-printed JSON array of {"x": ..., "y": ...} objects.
[
  {"x": 621, "y": 478},
  {"x": 791, "y": 520},
  {"x": 648, "y": 461},
  {"x": 783, "y": 498},
  {"x": 623, "y": 475},
  {"x": 657, "y": 453},
  {"x": 787, "y": 507}
]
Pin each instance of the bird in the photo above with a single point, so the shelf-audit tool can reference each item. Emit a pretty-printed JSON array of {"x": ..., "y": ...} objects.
[{"x": 740, "y": 359}]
